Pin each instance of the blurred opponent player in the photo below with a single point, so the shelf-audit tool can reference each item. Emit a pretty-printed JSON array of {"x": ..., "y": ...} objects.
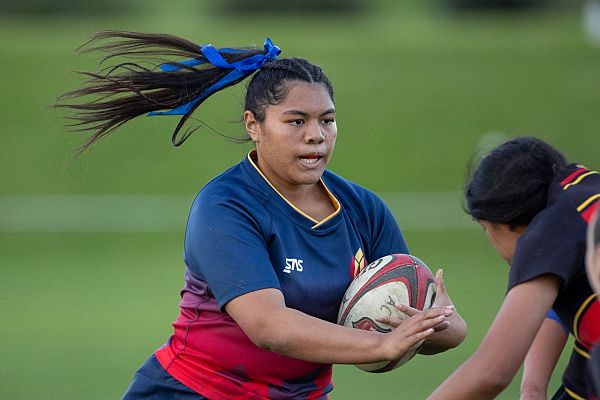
[
  {"x": 593, "y": 272},
  {"x": 534, "y": 207}
]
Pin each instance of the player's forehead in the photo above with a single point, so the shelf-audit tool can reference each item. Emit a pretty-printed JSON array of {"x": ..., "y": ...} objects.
[{"x": 304, "y": 98}]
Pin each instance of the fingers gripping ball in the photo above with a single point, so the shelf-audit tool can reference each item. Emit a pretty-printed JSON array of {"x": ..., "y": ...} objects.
[{"x": 377, "y": 290}]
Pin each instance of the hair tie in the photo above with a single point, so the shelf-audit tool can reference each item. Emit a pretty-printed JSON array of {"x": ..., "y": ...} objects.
[{"x": 240, "y": 69}]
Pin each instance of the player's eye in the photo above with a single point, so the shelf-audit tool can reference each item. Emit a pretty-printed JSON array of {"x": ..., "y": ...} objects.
[
  {"x": 297, "y": 122},
  {"x": 328, "y": 121}
]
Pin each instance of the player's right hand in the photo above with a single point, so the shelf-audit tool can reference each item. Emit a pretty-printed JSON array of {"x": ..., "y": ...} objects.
[{"x": 411, "y": 331}]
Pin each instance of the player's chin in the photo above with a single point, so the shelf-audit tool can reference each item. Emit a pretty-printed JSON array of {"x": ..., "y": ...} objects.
[
  {"x": 308, "y": 180},
  {"x": 309, "y": 176}
]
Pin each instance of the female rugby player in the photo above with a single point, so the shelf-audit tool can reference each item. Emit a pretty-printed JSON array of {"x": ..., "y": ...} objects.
[
  {"x": 534, "y": 208},
  {"x": 271, "y": 243},
  {"x": 593, "y": 273}
]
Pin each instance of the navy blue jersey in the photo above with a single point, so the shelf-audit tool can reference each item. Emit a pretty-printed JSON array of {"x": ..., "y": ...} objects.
[
  {"x": 555, "y": 243},
  {"x": 242, "y": 235}
]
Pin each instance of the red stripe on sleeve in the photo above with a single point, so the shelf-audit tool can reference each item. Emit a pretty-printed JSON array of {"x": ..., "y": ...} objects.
[
  {"x": 572, "y": 177},
  {"x": 589, "y": 212}
]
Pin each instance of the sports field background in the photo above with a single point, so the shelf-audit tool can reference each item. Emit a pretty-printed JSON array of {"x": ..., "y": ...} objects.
[{"x": 90, "y": 247}]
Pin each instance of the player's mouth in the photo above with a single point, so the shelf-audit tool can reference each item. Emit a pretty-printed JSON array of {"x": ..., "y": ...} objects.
[{"x": 311, "y": 158}]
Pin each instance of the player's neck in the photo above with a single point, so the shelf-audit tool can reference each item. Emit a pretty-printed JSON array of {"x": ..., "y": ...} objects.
[{"x": 313, "y": 200}]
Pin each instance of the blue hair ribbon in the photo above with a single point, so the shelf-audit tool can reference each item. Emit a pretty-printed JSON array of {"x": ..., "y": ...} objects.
[
  {"x": 213, "y": 55},
  {"x": 176, "y": 66}
]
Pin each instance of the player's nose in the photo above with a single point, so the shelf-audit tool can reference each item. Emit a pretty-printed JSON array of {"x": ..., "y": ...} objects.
[{"x": 314, "y": 133}]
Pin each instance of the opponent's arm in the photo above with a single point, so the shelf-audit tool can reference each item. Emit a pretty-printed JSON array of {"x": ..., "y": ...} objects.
[
  {"x": 264, "y": 317},
  {"x": 492, "y": 367},
  {"x": 541, "y": 360}
]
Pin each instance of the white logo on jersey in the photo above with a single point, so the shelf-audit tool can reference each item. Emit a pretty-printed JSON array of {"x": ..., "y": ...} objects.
[{"x": 293, "y": 264}]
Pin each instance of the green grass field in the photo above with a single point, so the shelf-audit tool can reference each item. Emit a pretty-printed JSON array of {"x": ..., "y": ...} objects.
[{"x": 417, "y": 91}]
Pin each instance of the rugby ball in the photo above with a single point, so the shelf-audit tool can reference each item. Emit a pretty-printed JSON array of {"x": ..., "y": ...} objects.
[{"x": 386, "y": 282}]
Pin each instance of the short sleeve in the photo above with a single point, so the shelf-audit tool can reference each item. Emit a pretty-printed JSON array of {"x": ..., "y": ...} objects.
[
  {"x": 554, "y": 243},
  {"x": 554, "y": 317},
  {"x": 225, "y": 246}
]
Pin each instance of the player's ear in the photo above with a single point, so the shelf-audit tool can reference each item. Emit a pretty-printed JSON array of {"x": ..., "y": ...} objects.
[{"x": 252, "y": 125}]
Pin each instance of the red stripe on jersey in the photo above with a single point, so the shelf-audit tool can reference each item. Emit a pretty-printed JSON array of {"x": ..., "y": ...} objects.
[
  {"x": 586, "y": 320},
  {"x": 589, "y": 212},
  {"x": 572, "y": 177}
]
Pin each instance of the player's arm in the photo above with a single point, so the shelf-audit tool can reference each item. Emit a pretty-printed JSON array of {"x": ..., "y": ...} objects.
[
  {"x": 448, "y": 334},
  {"x": 541, "y": 360},
  {"x": 264, "y": 317},
  {"x": 492, "y": 367}
]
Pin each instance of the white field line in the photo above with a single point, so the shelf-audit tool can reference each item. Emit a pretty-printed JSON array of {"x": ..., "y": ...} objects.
[{"x": 131, "y": 213}]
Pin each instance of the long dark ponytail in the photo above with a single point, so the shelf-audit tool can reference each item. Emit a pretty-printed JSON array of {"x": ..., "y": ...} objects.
[{"x": 149, "y": 81}]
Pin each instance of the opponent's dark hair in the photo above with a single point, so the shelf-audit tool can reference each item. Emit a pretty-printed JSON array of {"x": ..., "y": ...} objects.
[
  {"x": 136, "y": 87},
  {"x": 510, "y": 183}
]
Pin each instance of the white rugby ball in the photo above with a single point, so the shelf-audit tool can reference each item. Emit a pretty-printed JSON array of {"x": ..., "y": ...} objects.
[{"x": 386, "y": 282}]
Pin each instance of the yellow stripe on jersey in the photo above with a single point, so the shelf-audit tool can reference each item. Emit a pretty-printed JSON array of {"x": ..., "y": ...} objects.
[
  {"x": 573, "y": 394},
  {"x": 587, "y": 202},
  {"x": 579, "y": 178},
  {"x": 582, "y": 352},
  {"x": 336, "y": 205}
]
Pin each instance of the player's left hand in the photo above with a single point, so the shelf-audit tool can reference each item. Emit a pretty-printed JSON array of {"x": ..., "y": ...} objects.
[
  {"x": 455, "y": 330},
  {"x": 441, "y": 294},
  {"x": 441, "y": 300}
]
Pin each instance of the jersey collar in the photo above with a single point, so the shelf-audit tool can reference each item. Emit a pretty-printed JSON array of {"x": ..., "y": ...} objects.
[{"x": 251, "y": 156}]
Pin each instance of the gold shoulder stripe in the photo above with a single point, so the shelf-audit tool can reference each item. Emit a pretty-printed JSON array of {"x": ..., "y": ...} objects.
[
  {"x": 573, "y": 394},
  {"x": 579, "y": 179},
  {"x": 581, "y": 351},
  {"x": 587, "y": 202}
]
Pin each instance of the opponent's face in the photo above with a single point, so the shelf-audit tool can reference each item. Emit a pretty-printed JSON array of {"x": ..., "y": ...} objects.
[
  {"x": 296, "y": 139},
  {"x": 503, "y": 237},
  {"x": 592, "y": 258}
]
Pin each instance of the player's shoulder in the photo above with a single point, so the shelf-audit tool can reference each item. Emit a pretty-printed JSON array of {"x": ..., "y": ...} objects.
[
  {"x": 581, "y": 190},
  {"x": 574, "y": 181},
  {"x": 563, "y": 212},
  {"x": 575, "y": 191},
  {"x": 232, "y": 189},
  {"x": 559, "y": 216}
]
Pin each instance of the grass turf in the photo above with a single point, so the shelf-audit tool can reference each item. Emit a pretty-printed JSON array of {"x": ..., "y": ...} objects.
[{"x": 417, "y": 90}]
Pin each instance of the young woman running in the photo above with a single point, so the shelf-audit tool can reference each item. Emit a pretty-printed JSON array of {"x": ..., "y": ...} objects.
[{"x": 272, "y": 243}]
